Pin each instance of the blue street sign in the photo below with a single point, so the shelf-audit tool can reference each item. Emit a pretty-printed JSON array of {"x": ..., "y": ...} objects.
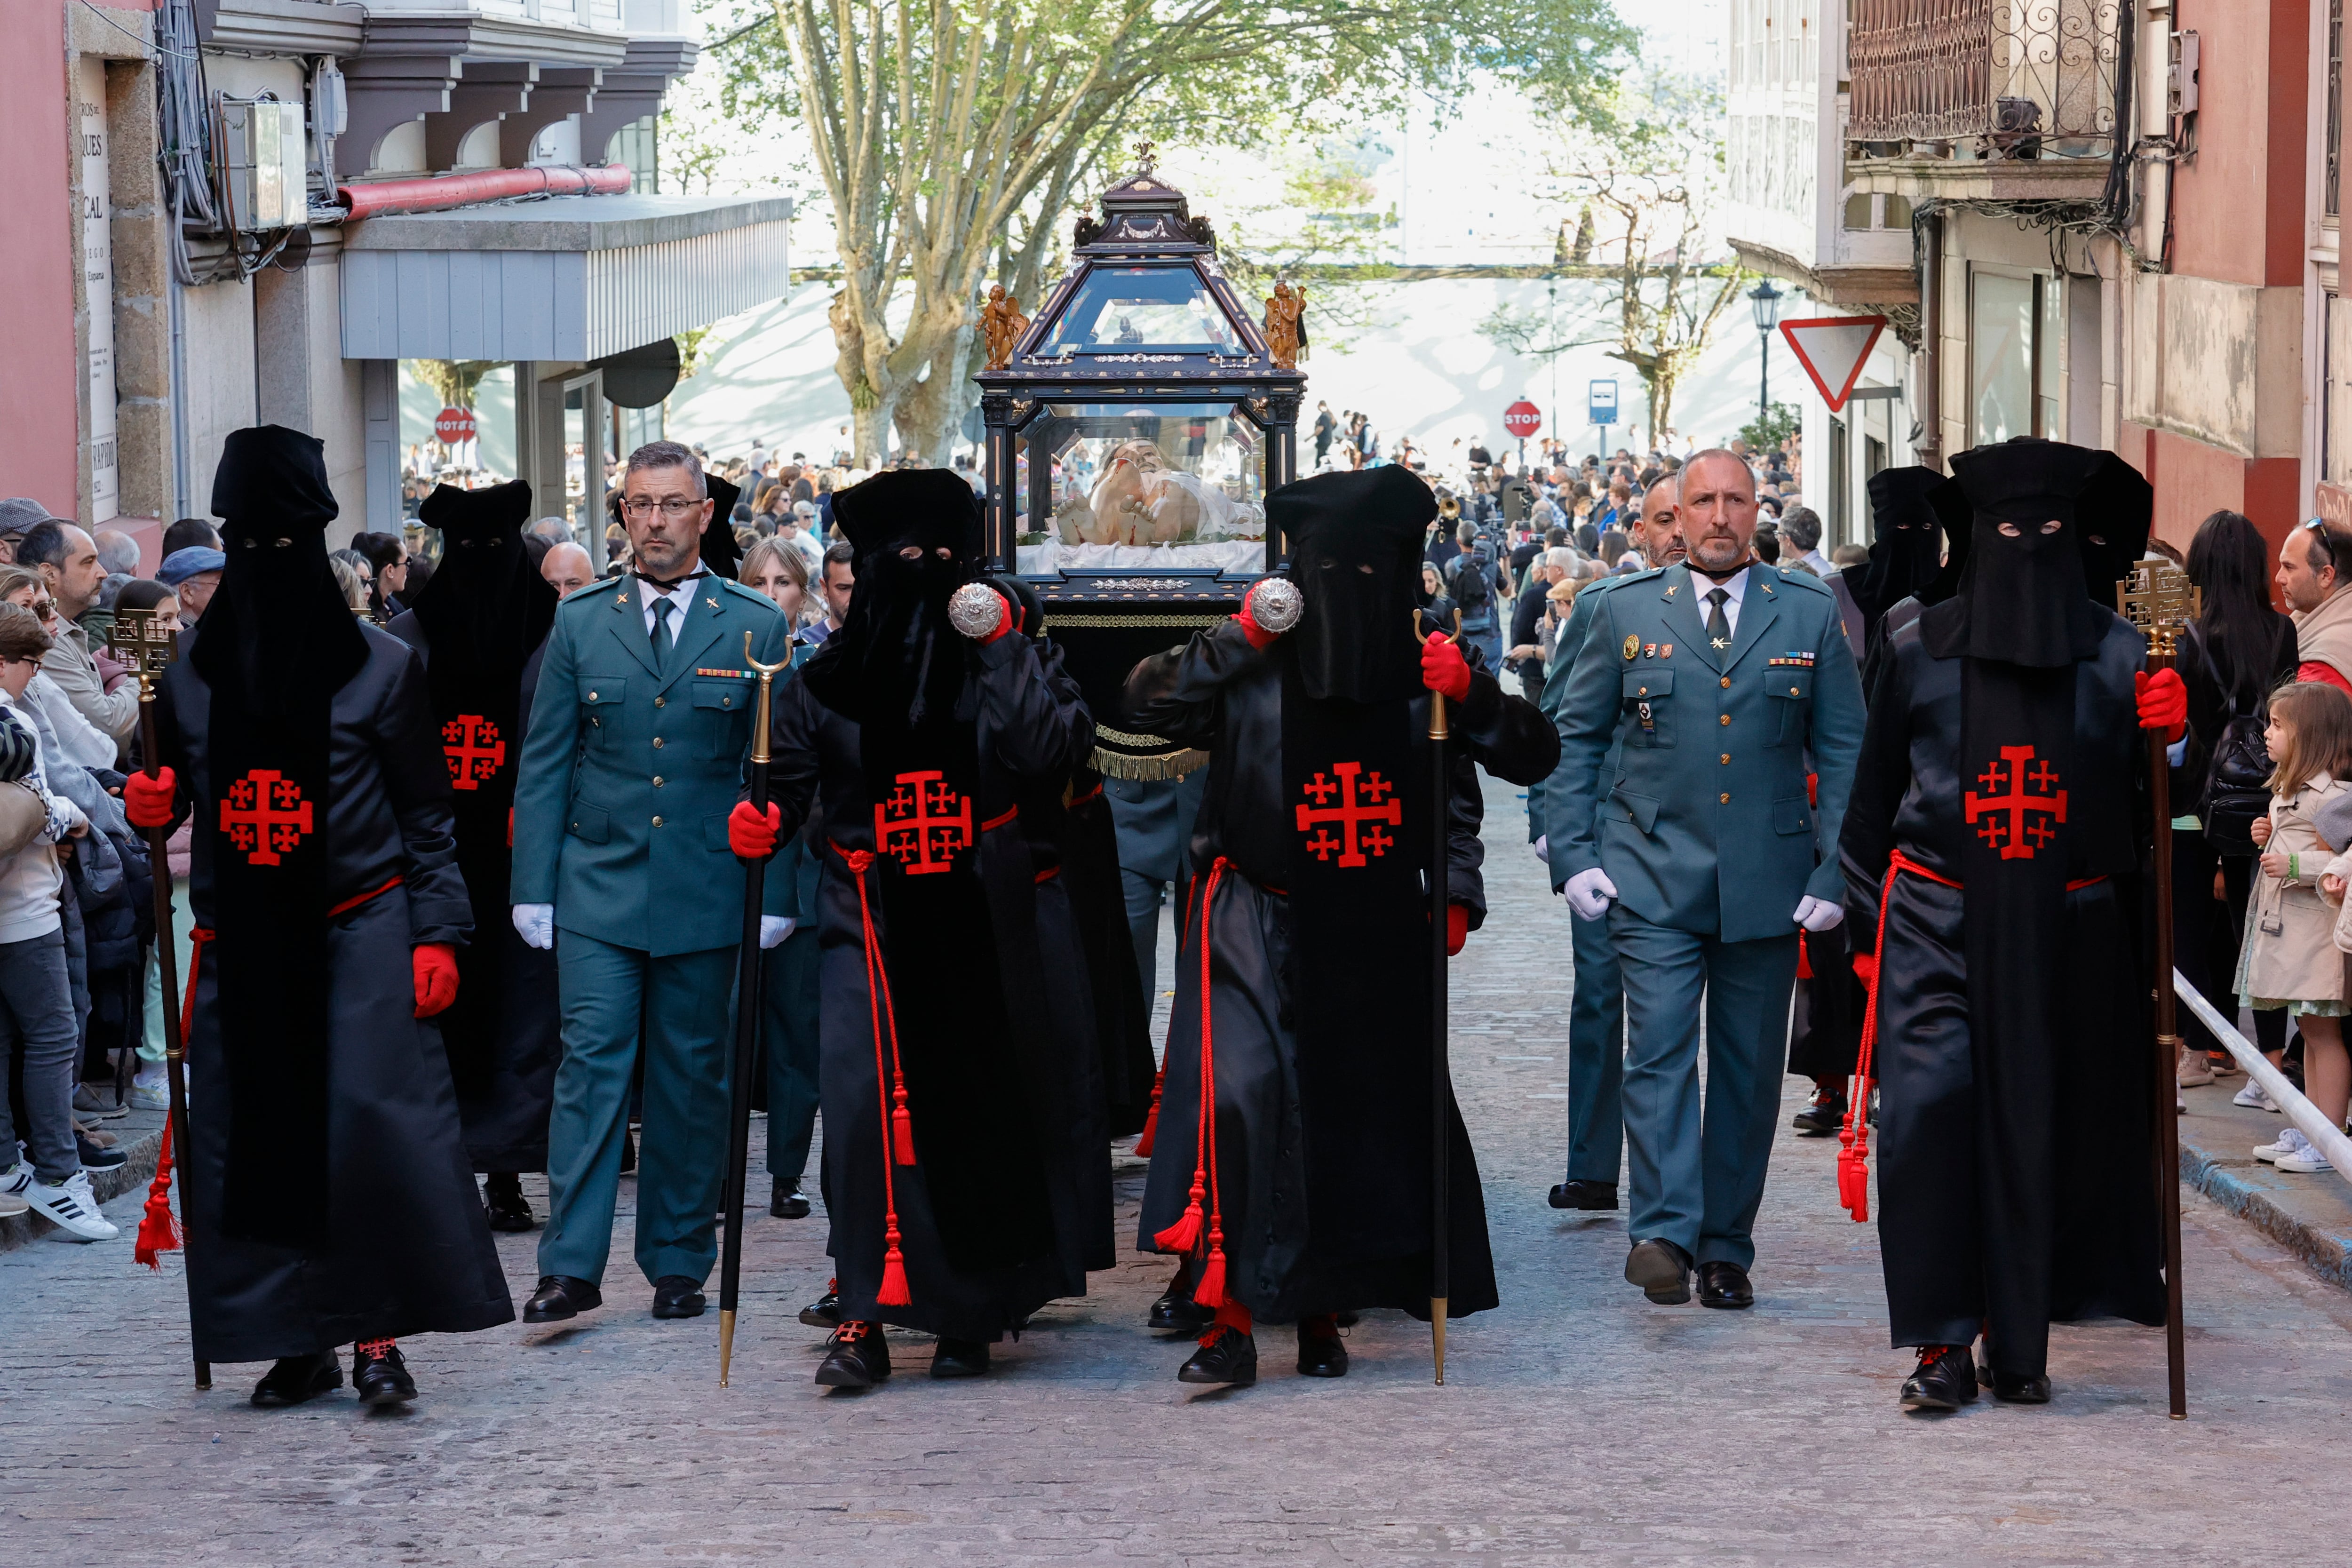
[{"x": 1600, "y": 401}]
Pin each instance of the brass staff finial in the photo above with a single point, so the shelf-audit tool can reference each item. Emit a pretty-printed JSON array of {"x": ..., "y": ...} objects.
[
  {"x": 2158, "y": 599},
  {"x": 148, "y": 642}
]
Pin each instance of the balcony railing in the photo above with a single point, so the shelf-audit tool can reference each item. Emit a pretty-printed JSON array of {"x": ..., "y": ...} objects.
[{"x": 2021, "y": 79}]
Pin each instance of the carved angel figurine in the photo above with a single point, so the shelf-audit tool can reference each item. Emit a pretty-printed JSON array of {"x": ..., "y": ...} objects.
[
  {"x": 1286, "y": 337},
  {"x": 1001, "y": 323}
]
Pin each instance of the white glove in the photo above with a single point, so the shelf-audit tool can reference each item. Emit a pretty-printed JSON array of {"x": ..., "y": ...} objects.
[
  {"x": 1543, "y": 848},
  {"x": 1589, "y": 893},
  {"x": 536, "y": 922},
  {"x": 774, "y": 929},
  {"x": 1818, "y": 914}
]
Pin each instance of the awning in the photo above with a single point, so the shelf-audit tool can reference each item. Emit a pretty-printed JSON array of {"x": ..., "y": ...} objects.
[{"x": 569, "y": 278}]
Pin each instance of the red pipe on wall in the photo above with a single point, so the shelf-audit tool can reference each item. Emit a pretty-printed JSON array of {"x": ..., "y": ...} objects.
[{"x": 437, "y": 192}]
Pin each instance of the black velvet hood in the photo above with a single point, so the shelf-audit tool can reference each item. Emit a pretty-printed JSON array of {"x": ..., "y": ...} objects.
[
  {"x": 2022, "y": 598},
  {"x": 895, "y": 656},
  {"x": 1354, "y": 541}
]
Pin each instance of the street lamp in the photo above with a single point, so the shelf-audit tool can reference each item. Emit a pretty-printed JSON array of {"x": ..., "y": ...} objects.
[{"x": 1765, "y": 301}]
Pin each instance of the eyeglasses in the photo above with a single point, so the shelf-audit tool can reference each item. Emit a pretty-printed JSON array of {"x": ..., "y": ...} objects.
[
  {"x": 44, "y": 608},
  {"x": 671, "y": 507}
]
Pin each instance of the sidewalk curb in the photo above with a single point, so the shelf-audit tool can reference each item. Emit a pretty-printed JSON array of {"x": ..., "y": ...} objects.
[
  {"x": 2324, "y": 1254},
  {"x": 21, "y": 1230}
]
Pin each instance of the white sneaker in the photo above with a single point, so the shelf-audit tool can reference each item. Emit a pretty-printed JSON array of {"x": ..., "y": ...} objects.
[
  {"x": 73, "y": 1207},
  {"x": 2193, "y": 1071},
  {"x": 2252, "y": 1096},
  {"x": 13, "y": 1183},
  {"x": 2287, "y": 1144},
  {"x": 146, "y": 1096},
  {"x": 2304, "y": 1161}
]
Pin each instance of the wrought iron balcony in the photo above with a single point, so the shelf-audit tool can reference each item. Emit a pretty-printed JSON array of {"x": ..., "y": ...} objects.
[{"x": 2006, "y": 78}]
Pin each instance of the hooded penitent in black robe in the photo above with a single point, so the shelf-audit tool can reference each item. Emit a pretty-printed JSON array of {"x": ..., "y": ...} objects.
[
  {"x": 1308, "y": 866},
  {"x": 328, "y": 1196},
  {"x": 480, "y": 626},
  {"x": 2016, "y": 1185},
  {"x": 989, "y": 1196}
]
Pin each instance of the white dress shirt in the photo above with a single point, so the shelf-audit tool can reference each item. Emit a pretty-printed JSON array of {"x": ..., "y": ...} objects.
[
  {"x": 1736, "y": 585},
  {"x": 682, "y": 596}
]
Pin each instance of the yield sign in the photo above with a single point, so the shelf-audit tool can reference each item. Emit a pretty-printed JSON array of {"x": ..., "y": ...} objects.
[{"x": 1833, "y": 349}]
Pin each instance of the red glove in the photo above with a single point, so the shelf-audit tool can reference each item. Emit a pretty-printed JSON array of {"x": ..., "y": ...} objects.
[
  {"x": 147, "y": 801},
  {"x": 434, "y": 967},
  {"x": 1457, "y": 929},
  {"x": 751, "y": 836},
  {"x": 1866, "y": 969},
  {"x": 1443, "y": 669},
  {"x": 1259, "y": 637},
  {"x": 2163, "y": 703}
]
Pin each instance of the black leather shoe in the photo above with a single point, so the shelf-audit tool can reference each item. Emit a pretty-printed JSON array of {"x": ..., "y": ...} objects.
[
  {"x": 1321, "y": 1354},
  {"x": 1600, "y": 1197},
  {"x": 676, "y": 1296},
  {"x": 786, "y": 1200},
  {"x": 1725, "y": 1285},
  {"x": 296, "y": 1378},
  {"x": 1945, "y": 1380},
  {"x": 559, "y": 1297},
  {"x": 503, "y": 1203},
  {"x": 1824, "y": 1118},
  {"x": 857, "y": 1356},
  {"x": 628, "y": 1151},
  {"x": 2020, "y": 1387},
  {"x": 1662, "y": 1269},
  {"x": 383, "y": 1379},
  {"x": 1226, "y": 1355},
  {"x": 960, "y": 1358},
  {"x": 825, "y": 1312},
  {"x": 1177, "y": 1313}
]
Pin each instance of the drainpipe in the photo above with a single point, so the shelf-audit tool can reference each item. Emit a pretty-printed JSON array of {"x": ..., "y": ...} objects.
[
  {"x": 1927, "y": 365},
  {"x": 437, "y": 192}
]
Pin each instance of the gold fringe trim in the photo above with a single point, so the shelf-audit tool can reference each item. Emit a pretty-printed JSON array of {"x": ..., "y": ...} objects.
[{"x": 1152, "y": 768}]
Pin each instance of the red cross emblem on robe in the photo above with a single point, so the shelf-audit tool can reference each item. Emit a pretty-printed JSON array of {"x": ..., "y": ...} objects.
[
  {"x": 923, "y": 823},
  {"x": 1355, "y": 827},
  {"x": 474, "y": 750},
  {"x": 265, "y": 816},
  {"x": 2022, "y": 806}
]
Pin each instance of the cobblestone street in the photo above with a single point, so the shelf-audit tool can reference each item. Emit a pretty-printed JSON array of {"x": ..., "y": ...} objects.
[{"x": 1578, "y": 1423}]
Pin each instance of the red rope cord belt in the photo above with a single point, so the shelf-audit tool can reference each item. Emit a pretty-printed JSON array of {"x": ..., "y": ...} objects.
[
  {"x": 890, "y": 1087},
  {"x": 1185, "y": 1235},
  {"x": 1853, "y": 1138}
]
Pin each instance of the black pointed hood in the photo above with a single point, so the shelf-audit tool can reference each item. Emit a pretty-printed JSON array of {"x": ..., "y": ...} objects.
[{"x": 1354, "y": 541}]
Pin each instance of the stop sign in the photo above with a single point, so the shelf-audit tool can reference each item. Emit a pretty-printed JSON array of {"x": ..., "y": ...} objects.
[
  {"x": 1522, "y": 419},
  {"x": 452, "y": 426}
]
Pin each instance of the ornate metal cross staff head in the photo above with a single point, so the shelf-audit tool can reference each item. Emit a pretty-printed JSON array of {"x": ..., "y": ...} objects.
[
  {"x": 2158, "y": 599},
  {"x": 148, "y": 641}
]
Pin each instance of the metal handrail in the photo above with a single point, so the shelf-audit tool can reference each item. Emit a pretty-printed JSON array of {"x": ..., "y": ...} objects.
[
  {"x": 2327, "y": 1137},
  {"x": 2034, "y": 77}
]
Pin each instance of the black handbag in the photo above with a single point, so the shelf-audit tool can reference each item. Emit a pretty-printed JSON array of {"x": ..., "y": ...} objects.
[{"x": 2237, "y": 778}]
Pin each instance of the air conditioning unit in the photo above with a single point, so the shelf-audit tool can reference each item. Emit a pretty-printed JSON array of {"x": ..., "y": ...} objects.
[{"x": 264, "y": 162}]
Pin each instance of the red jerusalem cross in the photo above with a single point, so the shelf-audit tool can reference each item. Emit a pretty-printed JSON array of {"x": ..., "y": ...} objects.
[
  {"x": 2005, "y": 815},
  {"x": 1378, "y": 804},
  {"x": 923, "y": 823},
  {"x": 474, "y": 750},
  {"x": 265, "y": 815}
]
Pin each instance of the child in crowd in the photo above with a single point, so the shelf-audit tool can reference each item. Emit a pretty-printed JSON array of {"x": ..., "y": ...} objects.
[{"x": 2289, "y": 958}]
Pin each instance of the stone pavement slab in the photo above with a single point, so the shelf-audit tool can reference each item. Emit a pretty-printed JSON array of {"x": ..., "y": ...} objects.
[{"x": 1578, "y": 1423}]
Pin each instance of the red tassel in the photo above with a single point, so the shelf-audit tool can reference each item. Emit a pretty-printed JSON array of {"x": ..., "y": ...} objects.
[
  {"x": 1854, "y": 1166},
  {"x": 1185, "y": 1234},
  {"x": 1151, "y": 1121},
  {"x": 902, "y": 1129},
  {"x": 1211, "y": 1292},
  {"x": 159, "y": 1233},
  {"x": 894, "y": 1291},
  {"x": 1804, "y": 958}
]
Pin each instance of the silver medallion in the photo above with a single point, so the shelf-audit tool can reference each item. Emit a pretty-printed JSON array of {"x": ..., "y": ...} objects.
[
  {"x": 1275, "y": 604},
  {"x": 976, "y": 610}
]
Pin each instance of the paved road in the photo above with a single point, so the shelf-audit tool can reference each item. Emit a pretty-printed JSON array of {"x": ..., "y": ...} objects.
[{"x": 1578, "y": 1422}]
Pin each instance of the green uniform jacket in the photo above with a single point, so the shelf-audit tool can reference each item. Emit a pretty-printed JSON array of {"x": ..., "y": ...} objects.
[
  {"x": 1702, "y": 823},
  {"x": 631, "y": 767}
]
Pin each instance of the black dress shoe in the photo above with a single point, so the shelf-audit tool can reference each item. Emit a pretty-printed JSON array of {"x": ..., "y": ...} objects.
[
  {"x": 676, "y": 1296},
  {"x": 1321, "y": 1354},
  {"x": 1227, "y": 1355},
  {"x": 1662, "y": 1269},
  {"x": 1600, "y": 1197},
  {"x": 857, "y": 1356},
  {"x": 960, "y": 1358},
  {"x": 2020, "y": 1387},
  {"x": 1177, "y": 1313},
  {"x": 383, "y": 1379},
  {"x": 559, "y": 1297},
  {"x": 628, "y": 1152},
  {"x": 1824, "y": 1118},
  {"x": 1943, "y": 1380},
  {"x": 1725, "y": 1285},
  {"x": 296, "y": 1378},
  {"x": 786, "y": 1200},
  {"x": 1346, "y": 1318},
  {"x": 825, "y": 1312},
  {"x": 503, "y": 1203}
]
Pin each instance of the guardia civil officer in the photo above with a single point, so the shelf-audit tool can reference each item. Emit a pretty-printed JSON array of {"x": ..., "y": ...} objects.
[{"x": 1711, "y": 679}]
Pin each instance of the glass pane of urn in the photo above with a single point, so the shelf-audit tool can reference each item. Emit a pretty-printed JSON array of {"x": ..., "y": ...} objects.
[
  {"x": 1140, "y": 485},
  {"x": 1138, "y": 310}
]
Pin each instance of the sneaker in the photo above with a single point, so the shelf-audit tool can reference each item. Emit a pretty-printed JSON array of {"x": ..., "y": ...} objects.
[
  {"x": 2254, "y": 1098},
  {"x": 2304, "y": 1160},
  {"x": 151, "y": 1096},
  {"x": 2287, "y": 1144},
  {"x": 97, "y": 1156},
  {"x": 90, "y": 1100},
  {"x": 2225, "y": 1065},
  {"x": 14, "y": 1181},
  {"x": 2194, "y": 1070},
  {"x": 72, "y": 1208}
]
